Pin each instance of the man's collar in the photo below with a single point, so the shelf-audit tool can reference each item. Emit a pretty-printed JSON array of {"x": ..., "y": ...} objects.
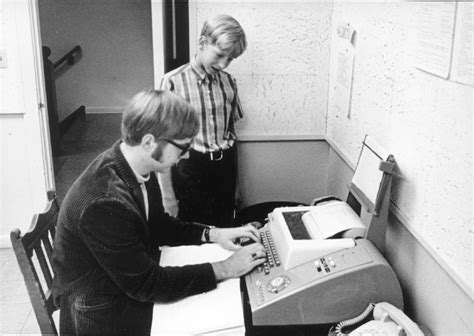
[{"x": 141, "y": 179}]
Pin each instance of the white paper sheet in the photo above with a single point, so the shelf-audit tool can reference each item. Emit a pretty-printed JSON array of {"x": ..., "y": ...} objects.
[
  {"x": 368, "y": 176},
  {"x": 327, "y": 220},
  {"x": 435, "y": 37},
  {"x": 218, "y": 312}
]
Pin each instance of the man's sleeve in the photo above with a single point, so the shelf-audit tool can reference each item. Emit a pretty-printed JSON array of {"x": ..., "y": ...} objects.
[{"x": 114, "y": 235}]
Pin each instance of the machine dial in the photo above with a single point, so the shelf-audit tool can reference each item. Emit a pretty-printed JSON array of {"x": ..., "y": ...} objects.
[{"x": 278, "y": 283}]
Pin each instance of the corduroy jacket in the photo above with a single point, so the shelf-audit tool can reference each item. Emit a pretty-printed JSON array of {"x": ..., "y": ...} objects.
[{"x": 105, "y": 244}]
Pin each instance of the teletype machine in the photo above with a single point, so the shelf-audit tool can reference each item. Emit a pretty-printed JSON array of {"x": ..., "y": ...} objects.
[{"x": 324, "y": 261}]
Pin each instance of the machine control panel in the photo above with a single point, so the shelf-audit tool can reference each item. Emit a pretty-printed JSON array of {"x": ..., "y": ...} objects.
[
  {"x": 278, "y": 283},
  {"x": 273, "y": 259}
]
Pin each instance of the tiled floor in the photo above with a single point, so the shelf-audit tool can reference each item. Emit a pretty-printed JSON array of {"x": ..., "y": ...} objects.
[
  {"x": 86, "y": 138},
  {"x": 16, "y": 313}
]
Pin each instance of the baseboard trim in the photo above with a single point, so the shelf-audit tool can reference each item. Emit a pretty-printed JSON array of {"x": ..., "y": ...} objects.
[
  {"x": 103, "y": 110},
  {"x": 280, "y": 137}
]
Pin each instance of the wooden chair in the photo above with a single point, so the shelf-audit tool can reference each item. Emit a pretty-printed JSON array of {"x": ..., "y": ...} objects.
[{"x": 33, "y": 252}]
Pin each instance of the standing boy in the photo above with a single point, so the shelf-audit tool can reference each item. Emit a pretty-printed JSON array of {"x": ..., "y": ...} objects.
[
  {"x": 107, "y": 276},
  {"x": 202, "y": 187}
]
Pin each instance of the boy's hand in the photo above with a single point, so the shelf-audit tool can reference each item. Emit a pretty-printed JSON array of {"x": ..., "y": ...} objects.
[
  {"x": 171, "y": 207},
  {"x": 169, "y": 199}
]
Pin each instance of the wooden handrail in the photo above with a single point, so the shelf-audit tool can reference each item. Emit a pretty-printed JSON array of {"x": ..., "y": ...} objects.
[
  {"x": 70, "y": 57},
  {"x": 51, "y": 72}
]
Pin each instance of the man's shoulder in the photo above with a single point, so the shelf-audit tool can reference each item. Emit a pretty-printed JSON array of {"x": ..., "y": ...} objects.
[
  {"x": 106, "y": 173},
  {"x": 100, "y": 180}
]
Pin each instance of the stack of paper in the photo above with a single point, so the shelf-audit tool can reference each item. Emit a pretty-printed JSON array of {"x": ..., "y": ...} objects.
[{"x": 218, "y": 312}]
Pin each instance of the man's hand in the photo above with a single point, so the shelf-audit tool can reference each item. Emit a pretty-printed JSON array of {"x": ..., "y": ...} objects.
[
  {"x": 227, "y": 238},
  {"x": 240, "y": 263}
]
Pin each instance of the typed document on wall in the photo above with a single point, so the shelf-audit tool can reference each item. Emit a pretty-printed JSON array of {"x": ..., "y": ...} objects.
[
  {"x": 345, "y": 68},
  {"x": 435, "y": 37}
]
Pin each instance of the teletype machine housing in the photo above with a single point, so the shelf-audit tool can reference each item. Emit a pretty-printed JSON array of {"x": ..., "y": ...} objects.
[{"x": 324, "y": 261}]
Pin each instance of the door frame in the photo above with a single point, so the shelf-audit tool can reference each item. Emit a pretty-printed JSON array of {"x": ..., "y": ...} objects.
[
  {"x": 157, "y": 34},
  {"x": 41, "y": 96}
]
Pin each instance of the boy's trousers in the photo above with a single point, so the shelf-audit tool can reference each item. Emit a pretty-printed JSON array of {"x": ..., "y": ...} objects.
[{"x": 204, "y": 185}]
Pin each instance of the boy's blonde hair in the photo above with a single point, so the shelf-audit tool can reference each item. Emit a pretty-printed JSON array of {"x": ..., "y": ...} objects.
[{"x": 225, "y": 32}]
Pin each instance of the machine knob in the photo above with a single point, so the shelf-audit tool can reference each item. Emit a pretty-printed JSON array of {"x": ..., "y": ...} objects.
[{"x": 278, "y": 283}]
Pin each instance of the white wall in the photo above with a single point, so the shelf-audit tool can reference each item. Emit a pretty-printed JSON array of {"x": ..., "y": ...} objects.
[
  {"x": 116, "y": 41},
  {"x": 283, "y": 75},
  {"x": 23, "y": 164},
  {"x": 424, "y": 120},
  {"x": 282, "y": 170}
]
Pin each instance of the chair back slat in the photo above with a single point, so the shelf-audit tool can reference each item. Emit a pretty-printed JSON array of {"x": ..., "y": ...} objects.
[
  {"x": 45, "y": 268},
  {"x": 52, "y": 231},
  {"x": 40, "y": 225},
  {"x": 33, "y": 252},
  {"x": 48, "y": 248}
]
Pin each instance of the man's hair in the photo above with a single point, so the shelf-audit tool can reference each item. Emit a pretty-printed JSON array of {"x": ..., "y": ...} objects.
[
  {"x": 163, "y": 114},
  {"x": 225, "y": 32}
]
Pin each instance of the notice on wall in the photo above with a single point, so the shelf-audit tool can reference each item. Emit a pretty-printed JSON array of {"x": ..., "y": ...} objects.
[
  {"x": 344, "y": 69},
  {"x": 435, "y": 37},
  {"x": 462, "y": 68},
  {"x": 11, "y": 81}
]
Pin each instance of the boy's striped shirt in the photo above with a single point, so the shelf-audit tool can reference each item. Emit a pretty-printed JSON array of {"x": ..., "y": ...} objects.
[{"x": 214, "y": 98}]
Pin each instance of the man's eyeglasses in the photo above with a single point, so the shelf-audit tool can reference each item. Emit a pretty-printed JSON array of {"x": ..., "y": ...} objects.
[{"x": 184, "y": 147}]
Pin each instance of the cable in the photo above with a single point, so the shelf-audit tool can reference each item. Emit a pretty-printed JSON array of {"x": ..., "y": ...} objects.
[{"x": 352, "y": 321}]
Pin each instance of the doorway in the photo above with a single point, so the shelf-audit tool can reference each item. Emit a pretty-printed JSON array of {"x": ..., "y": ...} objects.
[
  {"x": 175, "y": 33},
  {"x": 116, "y": 62},
  {"x": 121, "y": 42}
]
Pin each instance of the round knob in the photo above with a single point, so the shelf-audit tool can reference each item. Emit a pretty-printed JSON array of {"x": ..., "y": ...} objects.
[{"x": 278, "y": 283}]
